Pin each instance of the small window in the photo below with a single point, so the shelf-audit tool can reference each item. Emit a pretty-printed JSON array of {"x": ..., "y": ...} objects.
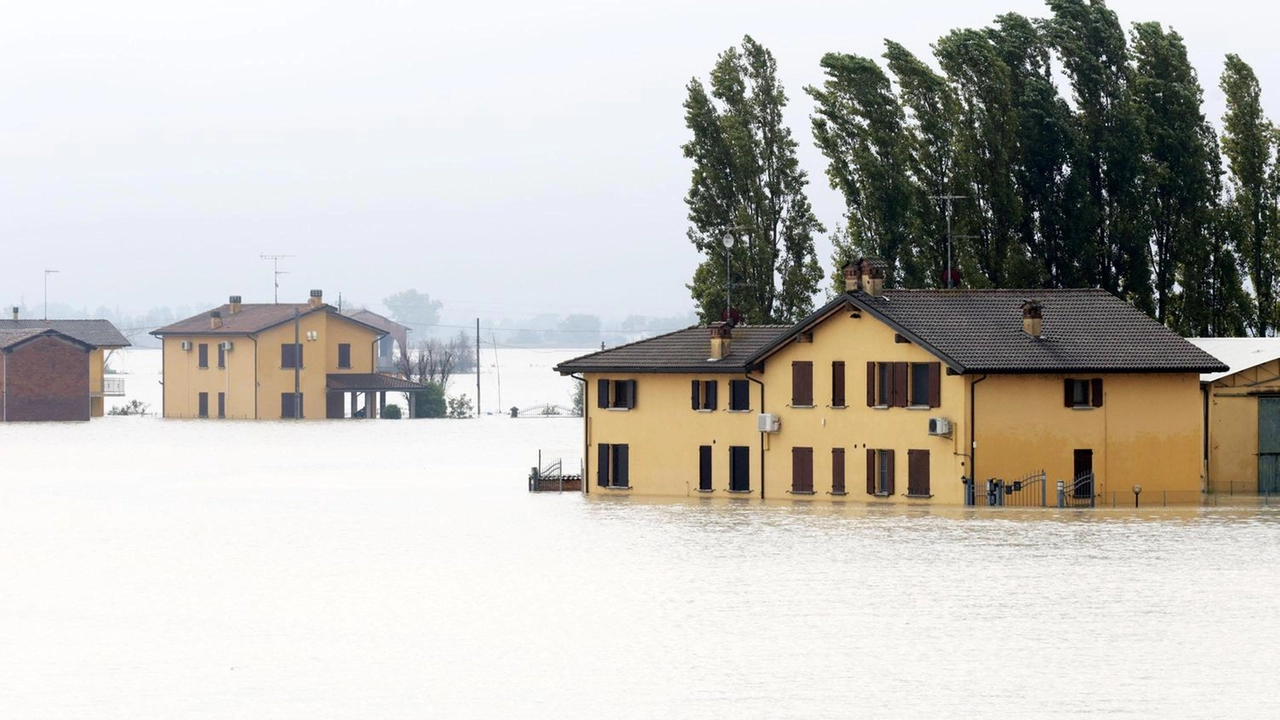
[
  {"x": 704, "y": 394},
  {"x": 222, "y": 405},
  {"x": 203, "y": 403},
  {"x": 1082, "y": 393},
  {"x": 288, "y": 409},
  {"x": 802, "y": 384},
  {"x": 203, "y": 355},
  {"x": 291, "y": 355},
  {"x": 880, "y": 472},
  {"x": 919, "y": 384},
  {"x": 344, "y": 355},
  {"x": 616, "y": 394},
  {"x": 612, "y": 468},
  {"x": 739, "y": 395}
]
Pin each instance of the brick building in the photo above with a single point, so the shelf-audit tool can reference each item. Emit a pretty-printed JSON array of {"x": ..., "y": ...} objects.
[{"x": 44, "y": 375}]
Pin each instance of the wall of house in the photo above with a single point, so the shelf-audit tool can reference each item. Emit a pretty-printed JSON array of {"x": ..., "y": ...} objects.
[
  {"x": 664, "y": 433},
  {"x": 97, "y": 367},
  {"x": 46, "y": 379},
  {"x": 1147, "y": 432},
  {"x": 1233, "y": 427},
  {"x": 319, "y": 357},
  {"x": 184, "y": 379},
  {"x": 858, "y": 427}
]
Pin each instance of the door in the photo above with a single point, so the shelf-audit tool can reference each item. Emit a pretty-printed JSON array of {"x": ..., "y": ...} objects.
[
  {"x": 739, "y": 469},
  {"x": 704, "y": 468},
  {"x": 1084, "y": 469},
  {"x": 1268, "y": 444}
]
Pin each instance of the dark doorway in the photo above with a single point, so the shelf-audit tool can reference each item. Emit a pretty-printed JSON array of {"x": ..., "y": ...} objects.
[
  {"x": 1083, "y": 486},
  {"x": 704, "y": 468},
  {"x": 739, "y": 469}
]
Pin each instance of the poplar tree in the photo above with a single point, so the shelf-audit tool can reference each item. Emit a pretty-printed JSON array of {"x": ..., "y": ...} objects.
[{"x": 747, "y": 185}]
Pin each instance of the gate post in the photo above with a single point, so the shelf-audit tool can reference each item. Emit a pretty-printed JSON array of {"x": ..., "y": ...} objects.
[{"x": 1062, "y": 494}]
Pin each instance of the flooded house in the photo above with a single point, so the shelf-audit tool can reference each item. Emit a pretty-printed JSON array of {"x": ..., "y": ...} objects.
[
  {"x": 960, "y": 397},
  {"x": 1241, "y": 446},
  {"x": 101, "y": 336},
  {"x": 44, "y": 375},
  {"x": 275, "y": 360}
]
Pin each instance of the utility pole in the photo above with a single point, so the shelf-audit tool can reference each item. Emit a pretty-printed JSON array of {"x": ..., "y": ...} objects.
[
  {"x": 478, "y": 367},
  {"x": 946, "y": 277},
  {"x": 276, "y": 272}
]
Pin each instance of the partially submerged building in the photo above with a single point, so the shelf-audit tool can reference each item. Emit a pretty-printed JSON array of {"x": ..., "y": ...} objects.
[
  {"x": 44, "y": 375},
  {"x": 1241, "y": 444},
  {"x": 101, "y": 336}
]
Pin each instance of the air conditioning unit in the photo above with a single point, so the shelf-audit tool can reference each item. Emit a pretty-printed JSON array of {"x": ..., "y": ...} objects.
[
  {"x": 186, "y": 344},
  {"x": 227, "y": 346},
  {"x": 939, "y": 426},
  {"x": 768, "y": 422},
  {"x": 313, "y": 335}
]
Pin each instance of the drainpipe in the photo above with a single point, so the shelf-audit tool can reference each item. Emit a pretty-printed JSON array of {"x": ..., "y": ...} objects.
[
  {"x": 973, "y": 433},
  {"x": 1204, "y": 438},
  {"x": 297, "y": 364},
  {"x": 4, "y": 411},
  {"x": 254, "y": 338},
  {"x": 586, "y": 429},
  {"x": 747, "y": 375}
]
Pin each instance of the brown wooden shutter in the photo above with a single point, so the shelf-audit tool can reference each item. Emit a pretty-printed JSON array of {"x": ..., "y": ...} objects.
[
  {"x": 837, "y": 470},
  {"x": 801, "y": 469},
  {"x": 901, "y": 371},
  {"x": 871, "y": 471},
  {"x": 935, "y": 385},
  {"x": 711, "y": 392},
  {"x": 631, "y": 393},
  {"x": 622, "y": 477},
  {"x": 871, "y": 384},
  {"x": 837, "y": 383},
  {"x": 704, "y": 467},
  {"x": 801, "y": 383},
  {"x": 696, "y": 399},
  {"x": 918, "y": 472},
  {"x": 888, "y": 471},
  {"x": 602, "y": 467},
  {"x": 1068, "y": 398},
  {"x": 1095, "y": 392},
  {"x": 602, "y": 393}
]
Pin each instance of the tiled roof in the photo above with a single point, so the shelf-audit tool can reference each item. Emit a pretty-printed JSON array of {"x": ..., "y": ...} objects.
[
  {"x": 11, "y": 338},
  {"x": 369, "y": 382},
  {"x": 682, "y": 351},
  {"x": 98, "y": 333},
  {"x": 250, "y": 318},
  {"x": 1084, "y": 330},
  {"x": 369, "y": 317}
]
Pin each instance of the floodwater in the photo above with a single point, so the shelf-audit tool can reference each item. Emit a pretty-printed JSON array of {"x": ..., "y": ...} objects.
[{"x": 400, "y": 569}]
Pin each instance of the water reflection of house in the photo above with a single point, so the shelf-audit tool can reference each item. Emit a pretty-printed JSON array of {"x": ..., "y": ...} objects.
[
  {"x": 1242, "y": 415},
  {"x": 101, "y": 336},
  {"x": 274, "y": 360},
  {"x": 44, "y": 375},
  {"x": 392, "y": 346},
  {"x": 1023, "y": 387}
]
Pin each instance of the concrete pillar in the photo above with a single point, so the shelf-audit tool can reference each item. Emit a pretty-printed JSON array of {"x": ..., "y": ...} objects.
[{"x": 353, "y": 404}]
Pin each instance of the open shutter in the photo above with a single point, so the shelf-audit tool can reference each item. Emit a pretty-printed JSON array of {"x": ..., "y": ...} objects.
[
  {"x": 602, "y": 465},
  {"x": 1068, "y": 399},
  {"x": 602, "y": 393},
  {"x": 900, "y": 373},
  {"x": 695, "y": 399},
  {"x": 837, "y": 383},
  {"x": 888, "y": 471},
  {"x": 935, "y": 384},
  {"x": 871, "y": 384},
  {"x": 1095, "y": 392},
  {"x": 837, "y": 471},
  {"x": 712, "y": 389},
  {"x": 631, "y": 393},
  {"x": 622, "y": 476},
  {"x": 871, "y": 471}
]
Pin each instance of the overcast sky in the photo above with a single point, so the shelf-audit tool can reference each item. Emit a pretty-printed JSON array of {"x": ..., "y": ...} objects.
[{"x": 507, "y": 157}]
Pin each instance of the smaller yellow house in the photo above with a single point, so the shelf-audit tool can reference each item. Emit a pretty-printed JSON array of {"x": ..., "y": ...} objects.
[
  {"x": 101, "y": 336},
  {"x": 1242, "y": 416},
  {"x": 273, "y": 361}
]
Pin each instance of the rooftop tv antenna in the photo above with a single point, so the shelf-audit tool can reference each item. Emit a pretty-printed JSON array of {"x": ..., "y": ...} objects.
[
  {"x": 276, "y": 272},
  {"x": 947, "y": 277}
]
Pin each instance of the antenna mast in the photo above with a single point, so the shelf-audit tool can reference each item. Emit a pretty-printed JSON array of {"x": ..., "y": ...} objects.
[
  {"x": 276, "y": 272},
  {"x": 948, "y": 198}
]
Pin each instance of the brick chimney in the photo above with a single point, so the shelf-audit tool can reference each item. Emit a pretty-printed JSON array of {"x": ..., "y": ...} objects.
[
  {"x": 1033, "y": 318},
  {"x": 215, "y": 319},
  {"x": 721, "y": 340},
  {"x": 234, "y": 302},
  {"x": 864, "y": 275},
  {"x": 317, "y": 298}
]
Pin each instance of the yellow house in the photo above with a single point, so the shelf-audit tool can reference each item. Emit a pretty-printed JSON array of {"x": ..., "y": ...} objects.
[
  {"x": 1242, "y": 416},
  {"x": 278, "y": 360},
  {"x": 968, "y": 397},
  {"x": 101, "y": 336}
]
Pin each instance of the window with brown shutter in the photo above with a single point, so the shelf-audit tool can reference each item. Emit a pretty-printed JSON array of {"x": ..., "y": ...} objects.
[
  {"x": 203, "y": 405},
  {"x": 1082, "y": 393},
  {"x": 222, "y": 405},
  {"x": 344, "y": 355},
  {"x": 918, "y": 473},
  {"x": 919, "y": 385},
  {"x": 837, "y": 384},
  {"x": 602, "y": 463},
  {"x": 203, "y": 355},
  {"x": 602, "y": 393},
  {"x": 739, "y": 395},
  {"x": 871, "y": 471},
  {"x": 871, "y": 384},
  {"x": 802, "y": 470},
  {"x": 887, "y": 472},
  {"x": 837, "y": 471},
  {"x": 222, "y": 355},
  {"x": 291, "y": 355},
  {"x": 1096, "y": 392},
  {"x": 802, "y": 384},
  {"x": 900, "y": 375}
]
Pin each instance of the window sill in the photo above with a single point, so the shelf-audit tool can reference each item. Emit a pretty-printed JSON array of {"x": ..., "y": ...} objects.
[
  {"x": 704, "y": 410},
  {"x": 614, "y": 487},
  {"x": 918, "y": 497},
  {"x": 801, "y": 492},
  {"x": 838, "y": 493},
  {"x": 707, "y": 491},
  {"x": 801, "y": 407},
  {"x": 739, "y": 492},
  {"x": 881, "y": 494},
  {"x": 739, "y": 411},
  {"x": 838, "y": 407},
  {"x": 1083, "y": 407},
  {"x": 919, "y": 407},
  {"x": 879, "y": 407},
  {"x": 618, "y": 409},
  {"x": 290, "y": 367}
]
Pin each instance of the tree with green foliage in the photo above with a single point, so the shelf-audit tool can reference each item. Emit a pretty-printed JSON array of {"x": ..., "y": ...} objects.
[
  {"x": 1249, "y": 143},
  {"x": 747, "y": 185},
  {"x": 430, "y": 402}
]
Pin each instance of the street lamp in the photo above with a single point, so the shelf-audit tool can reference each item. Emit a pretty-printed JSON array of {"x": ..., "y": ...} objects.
[
  {"x": 727, "y": 240},
  {"x": 47, "y": 272}
]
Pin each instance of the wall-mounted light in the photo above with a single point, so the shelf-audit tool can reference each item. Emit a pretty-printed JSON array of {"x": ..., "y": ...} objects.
[{"x": 313, "y": 335}]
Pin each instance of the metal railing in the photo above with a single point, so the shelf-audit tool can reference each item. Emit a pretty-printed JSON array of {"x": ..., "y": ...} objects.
[
  {"x": 1080, "y": 492},
  {"x": 113, "y": 386},
  {"x": 1027, "y": 491}
]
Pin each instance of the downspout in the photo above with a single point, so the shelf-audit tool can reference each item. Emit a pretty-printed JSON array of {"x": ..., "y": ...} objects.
[
  {"x": 586, "y": 431},
  {"x": 1204, "y": 437},
  {"x": 4, "y": 411},
  {"x": 747, "y": 375},
  {"x": 164, "y": 392},
  {"x": 973, "y": 433},
  {"x": 254, "y": 338}
]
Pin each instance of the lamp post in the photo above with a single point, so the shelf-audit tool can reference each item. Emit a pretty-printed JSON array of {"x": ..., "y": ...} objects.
[
  {"x": 727, "y": 240},
  {"x": 47, "y": 272}
]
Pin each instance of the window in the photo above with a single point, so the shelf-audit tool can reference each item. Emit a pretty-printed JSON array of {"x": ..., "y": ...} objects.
[
  {"x": 612, "y": 470},
  {"x": 739, "y": 396},
  {"x": 837, "y": 384},
  {"x": 880, "y": 472},
  {"x": 291, "y": 355},
  {"x": 616, "y": 394},
  {"x": 704, "y": 394},
  {"x": 222, "y": 355},
  {"x": 900, "y": 384},
  {"x": 203, "y": 355},
  {"x": 704, "y": 468},
  {"x": 802, "y": 384},
  {"x": 918, "y": 473},
  {"x": 203, "y": 402},
  {"x": 837, "y": 471},
  {"x": 222, "y": 405},
  {"x": 802, "y": 470},
  {"x": 1082, "y": 393},
  {"x": 739, "y": 469},
  {"x": 287, "y": 409},
  {"x": 344, "y": 355}
]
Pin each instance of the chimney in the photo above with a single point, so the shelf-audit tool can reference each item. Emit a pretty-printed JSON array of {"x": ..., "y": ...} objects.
[
  {"x": 1033, "y": 318},
  {"x": 721, "y": 339},
  {"x": 871, "y": 276},
  {"x": 851, "y": 280},
  {"x": 215, "y": 319},
  {"x": 317, "y": 298},
  {"x": 234, "y": 301},
  {"x": 15, "y": 312}
]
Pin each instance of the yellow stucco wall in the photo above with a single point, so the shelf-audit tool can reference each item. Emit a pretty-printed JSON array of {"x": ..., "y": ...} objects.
[
  {"x": 97, "y": 366},
  {"x": 257, "y": 358},
  {"x": 1233, "y": 427}
]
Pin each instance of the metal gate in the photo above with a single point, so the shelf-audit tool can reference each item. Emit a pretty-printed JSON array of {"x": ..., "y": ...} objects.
[
  {"x": 1027, "y": 491},
  {"x": 1268, "y": 445}
]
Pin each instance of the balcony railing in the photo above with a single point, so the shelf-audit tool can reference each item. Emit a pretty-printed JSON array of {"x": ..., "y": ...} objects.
[{"x": 112, "y": 386}]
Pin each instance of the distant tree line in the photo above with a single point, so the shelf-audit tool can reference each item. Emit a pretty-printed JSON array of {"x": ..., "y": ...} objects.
[{"x": 1123, "y": 185}]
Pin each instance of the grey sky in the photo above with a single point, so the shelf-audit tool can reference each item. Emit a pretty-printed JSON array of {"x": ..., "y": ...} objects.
[{"x": 509, "y": 158}]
